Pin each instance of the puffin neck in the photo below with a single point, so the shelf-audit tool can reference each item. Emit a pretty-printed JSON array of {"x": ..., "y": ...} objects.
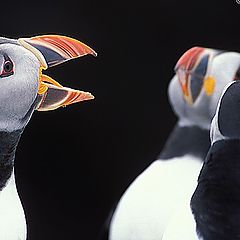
[
  {"x": 216, "y": 200},
  {"x": 185, "y": 140},
  {"x": 8, "y": 145}
]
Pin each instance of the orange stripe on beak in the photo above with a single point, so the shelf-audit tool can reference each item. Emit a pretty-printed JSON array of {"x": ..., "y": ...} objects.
[
  {"x": 55, "y": 97},
  {"x": 52, "y": 50}
]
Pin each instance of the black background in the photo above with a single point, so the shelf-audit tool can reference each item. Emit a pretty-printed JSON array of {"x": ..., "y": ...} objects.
[{"x": 74, "y": 163}]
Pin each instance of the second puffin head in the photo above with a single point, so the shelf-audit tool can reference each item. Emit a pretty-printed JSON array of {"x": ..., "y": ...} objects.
[{"x": 201, "y": 75}]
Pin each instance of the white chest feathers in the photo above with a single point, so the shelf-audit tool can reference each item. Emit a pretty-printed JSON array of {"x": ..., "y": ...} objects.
[
  {"x": 182, "y": 225},
  {"x": 155, "y": 196},
  {"x": 12, "y": 218}
]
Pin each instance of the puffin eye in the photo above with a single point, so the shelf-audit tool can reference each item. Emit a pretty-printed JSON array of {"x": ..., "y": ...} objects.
[{"x": 7, "y": 67}]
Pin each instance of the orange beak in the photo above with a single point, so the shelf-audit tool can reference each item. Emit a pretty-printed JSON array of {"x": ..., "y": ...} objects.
[
  {"x": 193, "y": 70},
  {"x": 53, "y": 95},
  {"x": 52, "y": 50}
]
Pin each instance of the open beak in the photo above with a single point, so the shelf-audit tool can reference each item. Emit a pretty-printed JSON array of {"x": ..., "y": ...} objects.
[
  {"x": 193, "y": 73},
  {"x": 52, "y": 95},
  {"x": 52, "y": 50}
]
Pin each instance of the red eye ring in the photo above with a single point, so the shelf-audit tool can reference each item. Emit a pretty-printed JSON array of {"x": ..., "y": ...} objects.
[{"x": 7, "y": 67}]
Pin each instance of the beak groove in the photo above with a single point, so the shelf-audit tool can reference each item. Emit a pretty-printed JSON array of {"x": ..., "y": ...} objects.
[
  {"x": 56, "y": 97},
  {"x": 193, "y": 70},
  {"x": 52, "y": 50},
  {"x": 53, "y": 95}
]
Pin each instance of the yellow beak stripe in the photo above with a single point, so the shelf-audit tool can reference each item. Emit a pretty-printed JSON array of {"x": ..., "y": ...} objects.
[{"x": 209, "y": 85}]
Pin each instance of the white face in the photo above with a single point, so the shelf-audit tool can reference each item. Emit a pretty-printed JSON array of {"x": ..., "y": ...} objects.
[
  {"x": 223, "y": 69},
  {"x": 18, "y": 87}
]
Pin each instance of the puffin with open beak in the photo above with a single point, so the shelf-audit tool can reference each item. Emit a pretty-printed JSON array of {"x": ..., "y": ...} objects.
[
  {"x": 147, "y": 206},
  {"x": 24, "y": 88}
]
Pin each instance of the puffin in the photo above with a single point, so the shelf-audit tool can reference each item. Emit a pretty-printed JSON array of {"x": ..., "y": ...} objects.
[
  {"x": 213, "y": 212},
  {"x": 24, "y": 88},
  {"x": 152, "y": 199}
]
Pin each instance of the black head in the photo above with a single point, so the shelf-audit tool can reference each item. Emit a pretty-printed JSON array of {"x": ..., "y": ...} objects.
[
  {"x": 229, "y": 112},
  {"x": 226, "y": 123}
]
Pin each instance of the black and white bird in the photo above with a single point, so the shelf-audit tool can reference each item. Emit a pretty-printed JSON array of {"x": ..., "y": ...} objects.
[
  {"x": 23, "y": 88},
  {"x": 149, "y": 203},
  {"x": 214, "y": 210}
]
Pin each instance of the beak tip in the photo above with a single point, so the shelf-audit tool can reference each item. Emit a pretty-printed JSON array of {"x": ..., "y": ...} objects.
[
  {"x": 94, "y": 53},
  {"x": 83, "y": 96},
  {"x": 89, "y": 96}
]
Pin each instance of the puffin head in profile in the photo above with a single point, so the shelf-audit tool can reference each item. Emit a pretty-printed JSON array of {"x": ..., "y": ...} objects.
[
  {"x": 226, "y": 122},
  {"x": 23, "y": 86},
  {"x": 201, "y": 75}
]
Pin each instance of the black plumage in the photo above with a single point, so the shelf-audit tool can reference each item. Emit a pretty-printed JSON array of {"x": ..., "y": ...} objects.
[
  {"x": 229, "y": 112},
  {"x": 216, "y": 200},
  {"x": 186, "y": 140},
  {"x": 8, "y": 145}
]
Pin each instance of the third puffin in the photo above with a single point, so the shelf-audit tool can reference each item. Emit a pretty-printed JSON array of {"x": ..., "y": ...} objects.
[{"x": 150, "y": 202}]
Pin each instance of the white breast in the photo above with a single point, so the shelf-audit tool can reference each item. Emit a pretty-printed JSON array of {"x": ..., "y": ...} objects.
[
  {"x": 12, "y": 218},
  {"x": 147, "y": 206},
  {"x": 182, "y": 225}
]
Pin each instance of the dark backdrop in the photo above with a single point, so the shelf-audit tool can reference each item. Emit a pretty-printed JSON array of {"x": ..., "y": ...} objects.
[{"x": 74, "y": 163}]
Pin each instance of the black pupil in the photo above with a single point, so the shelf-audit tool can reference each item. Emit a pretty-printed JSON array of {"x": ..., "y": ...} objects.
[{"x": 8, "y": 66}]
